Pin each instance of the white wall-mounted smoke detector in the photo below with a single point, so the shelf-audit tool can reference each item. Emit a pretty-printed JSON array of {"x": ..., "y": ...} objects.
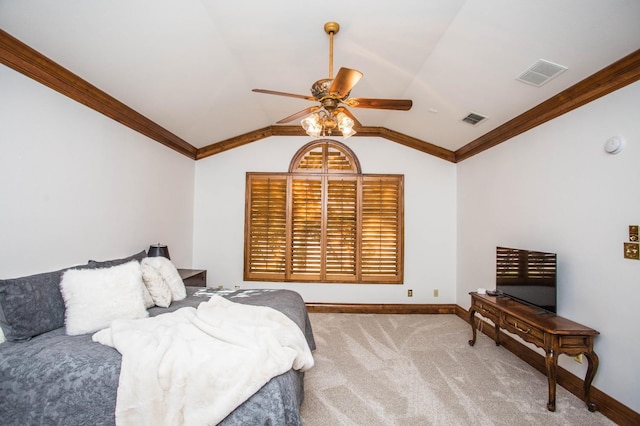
[{"x": 614, "y": 144}]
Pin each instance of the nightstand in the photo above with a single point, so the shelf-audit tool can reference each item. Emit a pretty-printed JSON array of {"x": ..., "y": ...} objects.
[{"x": 194, "y": 277}]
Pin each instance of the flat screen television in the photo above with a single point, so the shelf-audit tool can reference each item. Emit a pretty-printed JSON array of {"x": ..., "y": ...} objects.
[{"x": 528, "y": 276}]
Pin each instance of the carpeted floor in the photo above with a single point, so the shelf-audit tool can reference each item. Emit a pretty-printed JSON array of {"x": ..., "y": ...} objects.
[{"x": 419, "y": 370}]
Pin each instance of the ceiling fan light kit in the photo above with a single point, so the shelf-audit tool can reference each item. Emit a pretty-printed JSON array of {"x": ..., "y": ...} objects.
[
  {"x": 330, "y": 93},
  {"x": 319, "y": 122},
  {"x": 312, "y": 125}
]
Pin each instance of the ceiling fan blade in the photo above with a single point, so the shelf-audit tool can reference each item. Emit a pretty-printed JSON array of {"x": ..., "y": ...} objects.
[
  {"x": 351, "y": 116},
  {"x": 344, "y": 81},
  {"x": 395, "y": 104},
  {"x": 291, "y": 95},
  {"x": 298, "y": 114}
]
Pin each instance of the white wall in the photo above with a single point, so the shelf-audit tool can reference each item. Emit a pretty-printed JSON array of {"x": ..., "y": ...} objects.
[
  {"x": 555, "y": 189},
  {"x": 76, "y": 185},
  {"x": 430, "y": 224}
]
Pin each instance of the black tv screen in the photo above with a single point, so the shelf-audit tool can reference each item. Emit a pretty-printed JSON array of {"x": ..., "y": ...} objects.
[{"x": 528, "y": 276}]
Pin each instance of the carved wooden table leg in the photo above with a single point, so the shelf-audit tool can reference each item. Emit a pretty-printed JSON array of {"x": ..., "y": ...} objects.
[
  {"x": 472, "y": 321},
  {"x": 593, "y": 360},
  {"x": 552, "y": 365}
]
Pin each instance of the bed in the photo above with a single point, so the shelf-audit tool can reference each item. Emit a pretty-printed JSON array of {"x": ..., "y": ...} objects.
[{"x": 54, "y": 378}]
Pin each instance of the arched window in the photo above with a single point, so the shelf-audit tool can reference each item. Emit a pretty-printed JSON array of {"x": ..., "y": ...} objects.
[{"x": 324, "y": 221}]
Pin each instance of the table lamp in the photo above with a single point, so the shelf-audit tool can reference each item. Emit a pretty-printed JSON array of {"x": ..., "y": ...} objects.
[{"x": 156, "y": 250}]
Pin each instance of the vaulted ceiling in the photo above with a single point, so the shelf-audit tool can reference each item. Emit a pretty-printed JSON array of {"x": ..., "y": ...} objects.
[{"x": 188, "y": 66}]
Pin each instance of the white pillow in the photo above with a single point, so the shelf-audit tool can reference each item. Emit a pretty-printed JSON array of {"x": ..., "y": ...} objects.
[
  {"x": 95, "y": 297},
  {"x": 170, "y": 275},
  {"x": 155, "y": 285},
  {"x": 146, "y": 296},
  {"x": 2, "y": 339}
]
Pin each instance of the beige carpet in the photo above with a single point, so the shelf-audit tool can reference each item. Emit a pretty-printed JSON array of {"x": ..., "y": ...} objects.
[{"x": 419, "y": 370}]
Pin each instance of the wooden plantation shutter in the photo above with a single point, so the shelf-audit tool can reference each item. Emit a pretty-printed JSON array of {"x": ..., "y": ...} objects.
[
  {"x": 324, "y": 221},
  {"x": 306, "y": 229},
  {"x": 381, "y": 228},
  {"x": 341, "y": 229},
  {"x": 266, "y": 226}
]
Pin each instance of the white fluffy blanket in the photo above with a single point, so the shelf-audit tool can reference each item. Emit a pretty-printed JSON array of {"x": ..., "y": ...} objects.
[{"x": 195, "y": 366}]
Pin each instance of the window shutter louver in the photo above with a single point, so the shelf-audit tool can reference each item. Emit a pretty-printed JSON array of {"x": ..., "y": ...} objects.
[
  {"x": 312, "y": 161},
  {"x": 337, "y": 161}
]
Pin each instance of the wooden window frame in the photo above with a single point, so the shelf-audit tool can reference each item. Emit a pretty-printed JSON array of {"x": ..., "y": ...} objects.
[{"x": 324, "y": 221}]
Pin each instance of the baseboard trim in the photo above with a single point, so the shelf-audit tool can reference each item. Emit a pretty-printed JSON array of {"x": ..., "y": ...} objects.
[
  {"x": 608, "y": 406},
  {"x": 369, "y": 308}
]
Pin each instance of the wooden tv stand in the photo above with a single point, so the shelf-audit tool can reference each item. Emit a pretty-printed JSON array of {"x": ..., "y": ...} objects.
[{"x": 554, "y": 334}]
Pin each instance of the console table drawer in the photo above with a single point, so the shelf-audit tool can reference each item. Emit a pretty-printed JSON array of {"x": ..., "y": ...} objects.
[
  {"x": 574, "y": 345},
  {"x": 487, "y": 311},
  {"x": 525, "y": 330}
]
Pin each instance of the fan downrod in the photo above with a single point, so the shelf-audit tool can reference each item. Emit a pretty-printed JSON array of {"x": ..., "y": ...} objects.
[{"x": 331, "y": 28}]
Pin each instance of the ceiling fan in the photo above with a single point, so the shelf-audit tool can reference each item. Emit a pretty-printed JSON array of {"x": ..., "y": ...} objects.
[{"x": 333, "y": 94}]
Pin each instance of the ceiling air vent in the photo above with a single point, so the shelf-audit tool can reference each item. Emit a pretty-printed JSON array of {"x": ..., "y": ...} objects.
[
  {"x": 473, "y": 118},
  {"x": 541, "y": 72}
]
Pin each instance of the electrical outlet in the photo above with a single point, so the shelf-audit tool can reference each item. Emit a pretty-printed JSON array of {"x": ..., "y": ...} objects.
[
  {"x": 409, "y": 293},
  {"x": 632, "y": 251},
  {"x": 435, "y": 292},
  {"x": 578, "y": 359}
]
